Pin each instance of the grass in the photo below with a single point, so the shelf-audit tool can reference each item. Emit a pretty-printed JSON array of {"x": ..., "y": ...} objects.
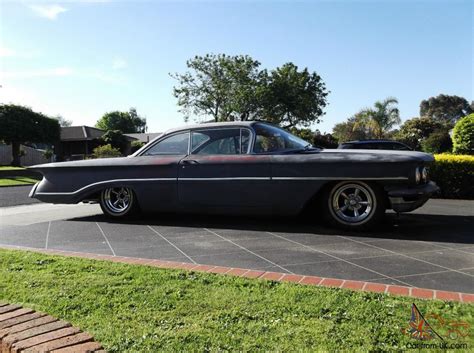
[
  {"x": 146, "y": 309},
  {"x": 7, "y": 167},
  {"x": 17, "y": 181}
]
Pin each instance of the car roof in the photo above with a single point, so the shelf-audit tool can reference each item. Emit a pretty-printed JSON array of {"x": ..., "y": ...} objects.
[
  {"x": 211, "y": 125},
  {"x": 372, "y": 141}
]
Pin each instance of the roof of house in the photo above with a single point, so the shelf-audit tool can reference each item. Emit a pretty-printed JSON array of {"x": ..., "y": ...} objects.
[
  {"x": 144, "y": 137},
  {"x": 80, "y": 133}
]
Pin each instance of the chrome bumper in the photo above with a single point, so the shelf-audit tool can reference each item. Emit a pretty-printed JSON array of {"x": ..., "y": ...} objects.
[{"x": 409, "y": 198}]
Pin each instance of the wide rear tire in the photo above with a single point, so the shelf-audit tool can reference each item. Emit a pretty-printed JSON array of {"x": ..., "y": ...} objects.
[
  {"x": 118, "y": 202},
  {"x": 353, "y": 205}
]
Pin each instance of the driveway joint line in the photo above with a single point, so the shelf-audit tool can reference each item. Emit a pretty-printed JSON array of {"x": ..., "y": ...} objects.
[
  {"x": 249, "y": 251},
  {"x": 407, "y": 256},
  {"x": 335, "y": 257},
  {"x": 106, "y": 240},
  {"x": 173, "y": 245},
  {"x": 47, "y": 235}
]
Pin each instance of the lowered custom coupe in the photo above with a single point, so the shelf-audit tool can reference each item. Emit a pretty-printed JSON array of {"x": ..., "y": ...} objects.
[{"x": 244, "y": 168}]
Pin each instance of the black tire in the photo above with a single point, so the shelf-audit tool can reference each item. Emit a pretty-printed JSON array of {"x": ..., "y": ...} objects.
[
  {"x": 118, "y": 202},
  {"x": 353, "y": 205}
]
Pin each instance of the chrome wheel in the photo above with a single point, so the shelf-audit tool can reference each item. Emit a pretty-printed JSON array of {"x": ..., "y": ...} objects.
[
  {"x": 117, "y": 200},
  {"x": 352, "y": 203}
]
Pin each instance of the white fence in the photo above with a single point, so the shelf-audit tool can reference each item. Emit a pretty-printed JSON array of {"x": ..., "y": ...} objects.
[{"x": 31, "y": 157}]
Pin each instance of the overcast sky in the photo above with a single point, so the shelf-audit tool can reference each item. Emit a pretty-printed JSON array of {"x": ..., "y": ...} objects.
[{"x": 81, "y": 59}]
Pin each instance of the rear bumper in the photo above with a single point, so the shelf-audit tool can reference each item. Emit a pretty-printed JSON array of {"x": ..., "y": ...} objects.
[{"x": 409, "y": 198}]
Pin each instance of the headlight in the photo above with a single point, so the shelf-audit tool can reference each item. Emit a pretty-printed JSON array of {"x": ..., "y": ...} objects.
[
  {"x": 417, "y": 175},
  {"x": 424, "y": 174}
]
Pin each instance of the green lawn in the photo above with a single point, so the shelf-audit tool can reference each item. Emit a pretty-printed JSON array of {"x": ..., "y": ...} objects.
[
  {"x": 146, "y": 309},
  {"x": 7, "y": 167},
  {"x": 17, "y": 181}
]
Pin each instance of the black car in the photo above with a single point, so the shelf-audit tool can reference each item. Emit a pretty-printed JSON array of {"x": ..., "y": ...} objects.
[
  {"x": 244, "y": 168},
  {"x": 375, "y": 145}
]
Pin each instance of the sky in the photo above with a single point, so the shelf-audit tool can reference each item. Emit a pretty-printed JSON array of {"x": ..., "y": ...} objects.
[{"x": 82, "y": 58}]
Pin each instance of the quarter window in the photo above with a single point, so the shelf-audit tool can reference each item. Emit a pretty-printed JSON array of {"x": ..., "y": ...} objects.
[{"x": 176, "y": 144}]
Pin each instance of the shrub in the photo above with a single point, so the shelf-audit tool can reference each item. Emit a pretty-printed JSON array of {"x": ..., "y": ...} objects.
[
  {"x": 463, "y": 135},
  {"x": 454, "y": 174},
  {"x": 438, "y": 142},
  {"x": 106, "y": 151},
  {"x": 136, "y": 145}
]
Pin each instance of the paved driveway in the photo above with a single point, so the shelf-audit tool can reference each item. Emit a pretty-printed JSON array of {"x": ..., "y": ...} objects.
[{"x": 432, "y": 248}]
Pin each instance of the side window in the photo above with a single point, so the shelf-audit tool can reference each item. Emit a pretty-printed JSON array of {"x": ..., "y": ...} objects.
[
  {"x": 220, "y": 141},
  {"x": 176, "y": 144}
]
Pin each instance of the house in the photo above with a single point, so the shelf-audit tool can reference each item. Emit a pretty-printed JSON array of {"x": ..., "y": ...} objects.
[{"x": 77, "y": 142}]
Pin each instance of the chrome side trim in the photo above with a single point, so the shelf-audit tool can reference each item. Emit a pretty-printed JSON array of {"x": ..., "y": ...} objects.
[
  {"x": 340, "y": 178},
  {"x": 104, "y": 182},
  {"x": 212, "y": 179},
  {"x": 227, "y": 178}
]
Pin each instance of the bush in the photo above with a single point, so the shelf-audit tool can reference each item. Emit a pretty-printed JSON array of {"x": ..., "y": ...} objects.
[
  {"x": 106, "y": 151},
  {"x": 454, "y": 174},
  {"x": 438, "y": 142},
  {"x": 136, "y": 145},
  {"x": 463, "y": 136}
]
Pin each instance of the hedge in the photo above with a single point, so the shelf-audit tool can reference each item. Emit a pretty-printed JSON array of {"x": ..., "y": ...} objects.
[{"x": 454, "y": 174}]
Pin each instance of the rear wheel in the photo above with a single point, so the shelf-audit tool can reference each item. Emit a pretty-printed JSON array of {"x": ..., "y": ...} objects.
[
  {"x": 353, "y": 205},
  {"x": 118, "y": 202}
]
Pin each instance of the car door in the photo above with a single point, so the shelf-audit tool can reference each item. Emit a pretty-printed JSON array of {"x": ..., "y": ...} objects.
[
  {"x": 220, "y": 171},
  {"x": 157, "y": 168}
]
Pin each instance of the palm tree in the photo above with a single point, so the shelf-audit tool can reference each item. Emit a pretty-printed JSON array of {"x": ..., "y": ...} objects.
[{"x": 379, "y": 120}]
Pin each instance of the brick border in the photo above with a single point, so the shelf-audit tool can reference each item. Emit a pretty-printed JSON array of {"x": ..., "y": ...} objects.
[
  {"x": 24, "y": 330},
  {"x": 413, "y": 292}
]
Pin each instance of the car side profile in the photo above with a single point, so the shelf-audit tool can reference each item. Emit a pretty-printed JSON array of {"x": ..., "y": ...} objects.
[
  {"x": 375, "y": 145},
  {"x": 244, "y": 168}
]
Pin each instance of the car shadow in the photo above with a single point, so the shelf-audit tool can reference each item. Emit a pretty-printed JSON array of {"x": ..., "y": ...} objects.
[{"x": 419, "y": 227}]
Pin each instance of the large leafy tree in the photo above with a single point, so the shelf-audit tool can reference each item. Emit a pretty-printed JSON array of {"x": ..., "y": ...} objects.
[
  {"x": 445, "y": 108},
  {"x": 293, "y": 98},
  {"x": 380, "y": 119},
  {"x": 125, "y": 122},
  {"x": 221, "y": 87},
  {"x": 227, "y": 88},
  {"x": 414, "y": 131},
  {"x": 19, "y": 124}
]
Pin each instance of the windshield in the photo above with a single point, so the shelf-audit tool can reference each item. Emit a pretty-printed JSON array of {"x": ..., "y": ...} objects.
[{"x": 270, "y": 139}]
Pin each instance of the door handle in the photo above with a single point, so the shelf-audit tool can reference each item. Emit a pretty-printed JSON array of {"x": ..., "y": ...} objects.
[{"x": 189, "y": 162}]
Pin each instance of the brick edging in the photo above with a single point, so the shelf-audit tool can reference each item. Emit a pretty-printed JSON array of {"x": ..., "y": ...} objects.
[
  {"x": 25, "y": 330},
  {"x": 414, "y": 292}
]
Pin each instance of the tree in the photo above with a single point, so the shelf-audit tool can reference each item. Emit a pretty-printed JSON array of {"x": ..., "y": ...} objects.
[
  {"x": 293, "y": 98},
  {"x": 324, "y": 140},
  {"x": 63, "y": 122},
  {"x": 463, "y": 135},
  {"x": 438, "y": 142},
  {"x": 445, "y": 109},
  {"x": 116, "y": 139},
  {"x": 380, "y": 119},
  {"x": 416, "y": 130},
  {"x": 219, "y": 86},
  {"x": 229, "y": 88},
  {"x": 125, "y": 122},
  {"x": 349, "y": 130},
  {"x": 20, "y": 124}
]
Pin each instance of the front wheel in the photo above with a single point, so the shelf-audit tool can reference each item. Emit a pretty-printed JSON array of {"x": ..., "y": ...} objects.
[
  {"x": 118, "y": 202},
  {"x": 354, "y": 205}
]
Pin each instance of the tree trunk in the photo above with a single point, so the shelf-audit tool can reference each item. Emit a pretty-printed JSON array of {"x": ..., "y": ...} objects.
[{"x": 16, "y": 162}]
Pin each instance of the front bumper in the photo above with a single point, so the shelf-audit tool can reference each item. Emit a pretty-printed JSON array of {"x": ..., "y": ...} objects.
[{"x": 409, "y": 198}]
